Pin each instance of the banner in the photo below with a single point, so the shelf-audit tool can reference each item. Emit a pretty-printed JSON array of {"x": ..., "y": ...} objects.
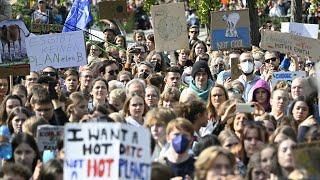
[
  {"x": 59, "y": 50},
  {"x": 170, "y": 27},
  {"x": 13, "y": 54},
  {"x": 299, "y": 29},
  {"x": 286, "y": 76},
  {"x": 230, "y": 30},
  {"x": 113, "y": 9},
  {"x": 46, "y": 28},
  {"x": 103, "y": 150},
  {"x": 48, "y": 136},
  {"x": 290, "y": 43}
]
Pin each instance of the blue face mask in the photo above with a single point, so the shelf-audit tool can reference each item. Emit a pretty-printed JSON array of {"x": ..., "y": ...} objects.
[{"x": 180, "y": 143}]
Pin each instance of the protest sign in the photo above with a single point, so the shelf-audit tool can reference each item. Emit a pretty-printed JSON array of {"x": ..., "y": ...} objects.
[
  {"x": 59, "y": 50},
  {"x": 101, "y": 150},
  {"x": 299, "y": 29},
  {"x": 286, "y": 76},
  {"x": 307, "y": 157},
  {"x": 48, "y": 136},
  {"x": 170, "y": 27},
  {"x": 46, "y": 28},
  {"x": 230, "y": 29},
  {"x": 95, "y": 35},
  {"x": 13, "y": 54},
  {"x": 113, "y": 9},
  {"x": 290, "y": 43}
]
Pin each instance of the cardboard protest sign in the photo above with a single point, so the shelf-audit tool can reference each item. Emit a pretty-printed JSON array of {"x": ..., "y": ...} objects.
[
  {"x": 290, "y": 43},
  {"x": 307, "y": 157},
  {"x": 113, "y": 9},
  {"x": 13, "y": 54},
  {"x": 286, "y": 76},
  {"x": 46, "y": 28},
  {"x": 103, "y": 150},
  {"x": 170, "y": 27},
  {"x": 59, "y": 50},
  {"x": 300, "y": 29},
  {"x": 230, "y": 29},
  {"x": 48, "y": 136}
]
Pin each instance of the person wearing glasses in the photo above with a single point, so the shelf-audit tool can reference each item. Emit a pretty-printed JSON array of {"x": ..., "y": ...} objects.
[
  {"x": 110, "y": 70},
  {"x": 271, "y": 64},
  {"x": 193, "y": 35}
]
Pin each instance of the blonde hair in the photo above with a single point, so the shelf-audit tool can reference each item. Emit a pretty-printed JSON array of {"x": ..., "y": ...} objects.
[
  {"x": 31, "y": 124},
  {"x": 117, "y": 117},
  {"x": 74, "y": 99},
  {"x": 159, "y": 116},
  {"x": 180, "y": 124},
  {"x": 207, "y": 158}
]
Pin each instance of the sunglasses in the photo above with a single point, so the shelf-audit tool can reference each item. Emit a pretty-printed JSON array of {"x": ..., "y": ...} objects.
[
  {"x": 269, "y": 60},
  {"x": 51, "y": 74},
  {"x": 113, "y": 72},
  {"x": 310, "y": 64},
  {"x": 196, "y": 32}
]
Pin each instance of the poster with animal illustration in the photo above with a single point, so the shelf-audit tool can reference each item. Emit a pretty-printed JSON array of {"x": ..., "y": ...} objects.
[
  {"x": 230, "y": 30},
  {"x": 13, "y": 53}
]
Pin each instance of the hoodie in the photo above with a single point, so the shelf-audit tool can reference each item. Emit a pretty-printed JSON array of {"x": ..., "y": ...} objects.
[{"x": 264, "y": 85}]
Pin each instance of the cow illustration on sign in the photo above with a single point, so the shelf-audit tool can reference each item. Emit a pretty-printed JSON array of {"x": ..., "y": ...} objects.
[{"x": 231, "y": 20}]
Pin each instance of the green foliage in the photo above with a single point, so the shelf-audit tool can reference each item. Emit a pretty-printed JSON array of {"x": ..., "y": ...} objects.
[
  {"x": 261, "y": 3},
  {"x": 148, "y": 4},
  {"x": 203, "y": 8}
]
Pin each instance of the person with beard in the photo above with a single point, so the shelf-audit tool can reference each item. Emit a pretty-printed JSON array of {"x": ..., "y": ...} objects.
[
  {"x": 271, "y": 64},
  {"x": 248, "y": 78}
]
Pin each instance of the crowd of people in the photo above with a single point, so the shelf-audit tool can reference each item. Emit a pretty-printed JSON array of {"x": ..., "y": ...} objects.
[{"x": 188, "y": 99}]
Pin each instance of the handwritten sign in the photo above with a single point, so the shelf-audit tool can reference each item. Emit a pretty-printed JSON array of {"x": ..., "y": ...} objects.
[
  {"x": 290, "y": 43},
  {"x": 59, "y": 50},
  {"x": 113, "y": 9},
  {"x": 230, "y": 30},
  {"x": 170, "y": 27},
  {"x": 299, "y": 29},
  {"x": 45, "y": 28},
  {"x": 286, "y": 76},
  {"x": 48, "y": 136},
  {"x": 106, "y": 151}
]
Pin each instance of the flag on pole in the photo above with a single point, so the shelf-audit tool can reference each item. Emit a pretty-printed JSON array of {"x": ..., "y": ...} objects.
[{"x": 79, "y": 16}]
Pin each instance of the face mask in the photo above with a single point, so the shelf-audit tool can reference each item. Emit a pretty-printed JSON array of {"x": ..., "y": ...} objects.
[
  {"x": 180, "y": 143},
  {"x": 157, "y": 67},
  {"x": 247, "y": 67}
]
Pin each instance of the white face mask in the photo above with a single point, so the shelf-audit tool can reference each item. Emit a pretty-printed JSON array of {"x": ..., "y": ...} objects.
[{"x": 247, "y": 67}]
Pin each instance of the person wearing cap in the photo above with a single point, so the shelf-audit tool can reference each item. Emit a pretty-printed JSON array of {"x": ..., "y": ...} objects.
[
  {"x": 247, "y": 78},
  {"x": 202, "y": 81},
  {"x": 42, "y": 15}
]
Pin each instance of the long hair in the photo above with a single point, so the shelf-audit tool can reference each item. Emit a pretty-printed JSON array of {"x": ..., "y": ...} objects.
[{"x": 15, "y": 111}]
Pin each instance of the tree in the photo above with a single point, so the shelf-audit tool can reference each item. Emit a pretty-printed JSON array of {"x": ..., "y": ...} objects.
[
  {"x": 254, "y": 23},
  {"x": 296, "y": 11}
]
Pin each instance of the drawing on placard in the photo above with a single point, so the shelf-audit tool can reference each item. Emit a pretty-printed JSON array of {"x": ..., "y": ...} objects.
[
  {"x": 169, "y": 27},
  {"x": 231, "y": 21}
]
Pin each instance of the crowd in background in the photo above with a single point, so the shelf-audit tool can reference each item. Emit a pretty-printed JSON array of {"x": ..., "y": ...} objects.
[{"x": 188, "y": 100}]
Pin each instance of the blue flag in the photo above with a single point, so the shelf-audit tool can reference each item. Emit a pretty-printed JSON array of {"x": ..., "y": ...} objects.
[{"x": 79, "y": 16}]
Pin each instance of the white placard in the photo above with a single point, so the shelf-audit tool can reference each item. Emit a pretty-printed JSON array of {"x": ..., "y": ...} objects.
[
  {"x": 96, "y": 35},
  {"x": 286, "y": 76},
  {"x": 48, "y": 136},
  {"x": 103, "y": 150},
  {"x": 59, "y": 50},
  {"x": 300, "y": 29}
]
